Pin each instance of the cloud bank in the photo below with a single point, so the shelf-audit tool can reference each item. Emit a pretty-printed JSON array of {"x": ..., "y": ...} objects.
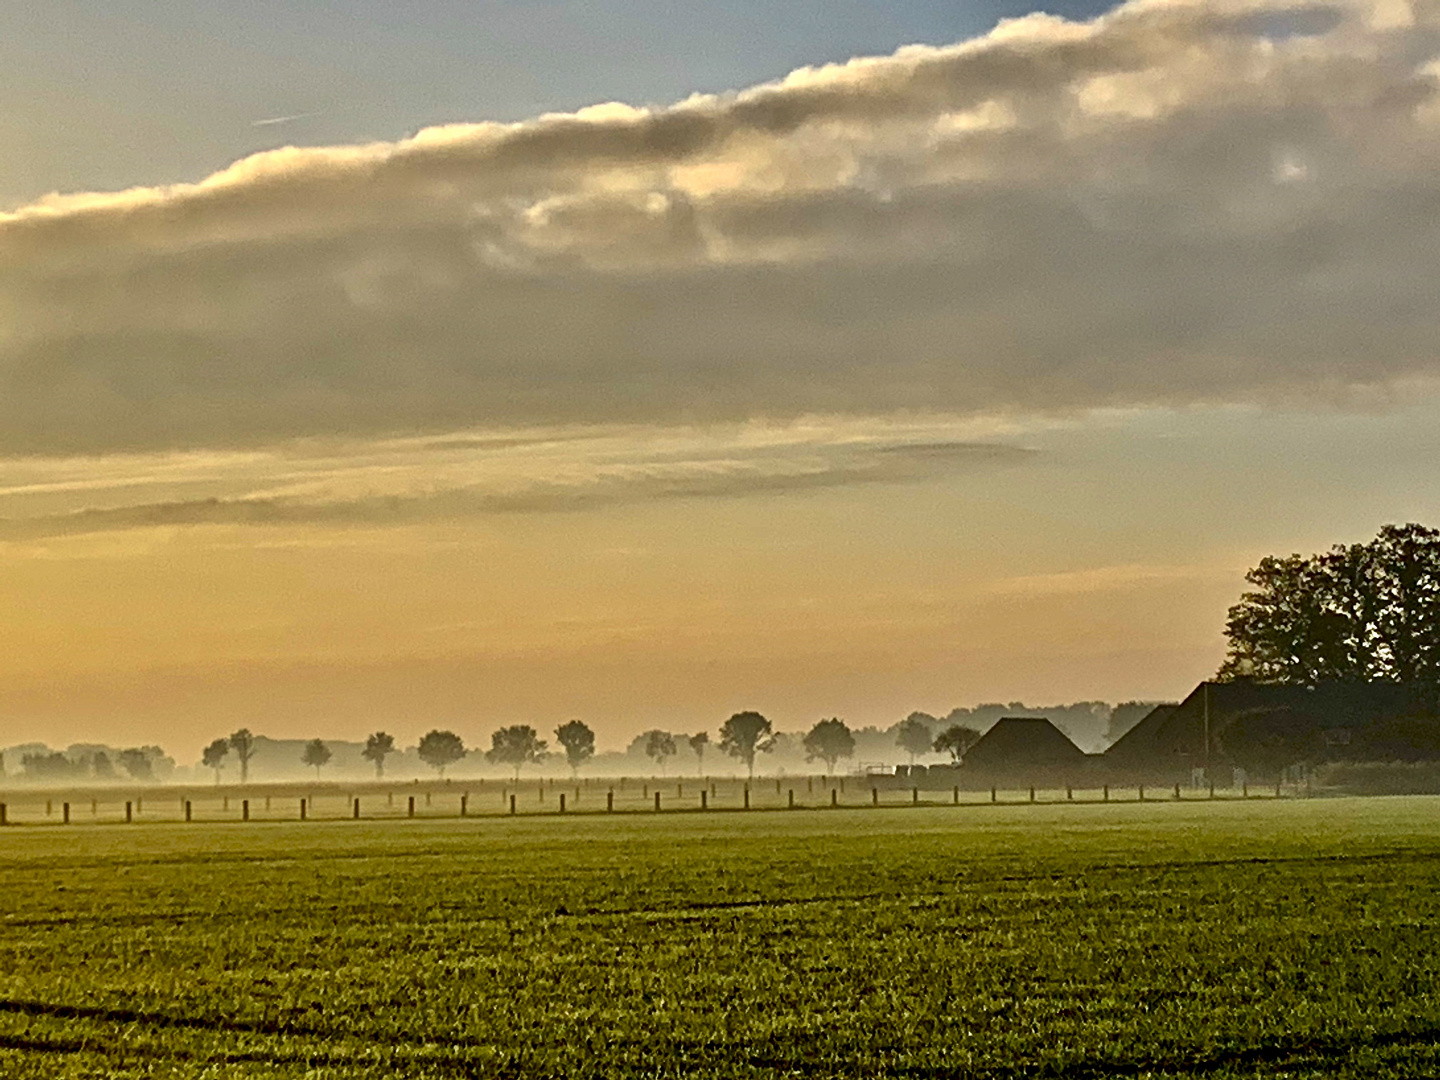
[{"x": 1180, "y": 201}]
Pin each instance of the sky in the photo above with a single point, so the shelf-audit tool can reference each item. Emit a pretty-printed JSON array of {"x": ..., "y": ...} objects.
[{"x": 466, "y": 364}]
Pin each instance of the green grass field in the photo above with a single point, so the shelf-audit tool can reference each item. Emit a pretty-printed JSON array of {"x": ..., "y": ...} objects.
[{"x": 1277, "y": 938}]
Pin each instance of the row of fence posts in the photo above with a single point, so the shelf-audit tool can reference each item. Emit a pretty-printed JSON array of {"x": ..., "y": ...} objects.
[{"x": 135, "y": 807}]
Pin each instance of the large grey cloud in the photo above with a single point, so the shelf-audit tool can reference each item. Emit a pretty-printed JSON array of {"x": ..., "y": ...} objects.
[{"x": 1180, "y": 201}]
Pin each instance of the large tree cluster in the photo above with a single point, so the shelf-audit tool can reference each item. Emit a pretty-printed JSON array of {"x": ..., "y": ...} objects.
[{"x": 1356, "y": 613}]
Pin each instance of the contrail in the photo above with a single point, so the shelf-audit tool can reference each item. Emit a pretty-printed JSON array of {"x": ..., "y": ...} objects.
[{"x": 273, "y": 120}]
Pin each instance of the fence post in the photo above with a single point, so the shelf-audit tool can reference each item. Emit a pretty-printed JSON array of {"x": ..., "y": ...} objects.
[
  {"x": 1105, "y": 793},
  {"x": 1032, "y": 792},
  {"x": 657, "y": 800},
  {"x": 4, "y": 815},
  {"x": 65, "y": 811},
  {"x": 512, "y": 804},
  {"x": 874, "y": 796},
  {"x": 610, "y": 801},
  {"x": 355, "y": 809},
  {"x": 1212, "y": 789},
  {"x": 562, "y": 802},
  {"x": 704, "y": 799},
  {"x": 410, "y": 811},
  {"x": 777, "y": 787},
  {"x": 1177, "y": 791},
  {"x": 245, "y": 811},
  {"x": 225, "y": 803},
  {"x": 747, "y": 796},
  {"x": 464, "y": 804},
  {"x": 187, "y": 809},
  {"x": 1277, "y": 789},
  {"x": 955, "y": 795},
  {"x": 791, "y": 802},
  {"x": 303, "y": 809},
  {"x": 994, "y": 795},
  {"x": 49, "y": 808},
  {"x": 1142, "y": 792},
  {"x": 129, "y": 814},
  {"x": 267, "y": 803},
  {"x": 914, "y": 796},
  {"x": 1069, "y": 793},
  {"x": 834, "y": 796},
  {"x": 1245, "y": 789}
]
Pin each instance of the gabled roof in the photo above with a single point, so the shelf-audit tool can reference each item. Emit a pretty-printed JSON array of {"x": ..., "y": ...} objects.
[{"x": 1016, "y": 741}]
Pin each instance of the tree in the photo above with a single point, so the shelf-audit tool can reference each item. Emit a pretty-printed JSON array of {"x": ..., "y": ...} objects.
[
  {"x": 516, "y": 746},
  {"x": 102, "y": 767},
  {"x": 660, "y": 746},
  {"x": 744, "y": 735},
  {"x": 829, "y": 741},
  {"x": 214, "y": 756},
  {"x": 579, "y": 743},
  {"x": 378, "y": 747},
  {"x": 316, "y": 755},
  {"x": 440, "y": 749},
  {"x": 698, "y": 742},
  {"x": 1363, "y": 612},
  {"x": 243, "y": 743},
  {"x": 955, "y": 740},
  {"x": 137, "y": 764},
  {"x": 913, "y": 735}
]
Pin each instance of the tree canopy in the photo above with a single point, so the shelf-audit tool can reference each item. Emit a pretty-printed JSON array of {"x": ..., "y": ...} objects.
[
  {"x": 517, "y": 745},
  {"x": 955, "y": 740},
  {"x": 1362, "y": 612},
  {"x": 913, "y": 735},
  {"x": 660, "y": 747},
  {"x": 578, "y": 741},
  {"x": 378, "y": 747},
  {"x": 745, "y": 734},
  {"x": 316, "y": 755},
  {"x": 440, "y": 749},
  {"x": 214, "y": 756},
  {"x": 829, "y": 741}
]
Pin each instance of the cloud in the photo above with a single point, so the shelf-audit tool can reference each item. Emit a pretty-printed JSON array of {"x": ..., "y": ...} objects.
[
  {"x": 468, "y": 475},
  {"x": 1180, "y": 201}
]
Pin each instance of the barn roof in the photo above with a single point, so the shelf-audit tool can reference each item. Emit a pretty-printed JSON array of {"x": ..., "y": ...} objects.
[{"x": 1020, "y": 741}]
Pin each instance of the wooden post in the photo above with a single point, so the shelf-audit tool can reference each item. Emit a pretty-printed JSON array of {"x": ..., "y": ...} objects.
[
  {"x": 512, "y": 804},
  {"x": 610, "y": 801},
  {"x": 4, "y": 815},
  {"x": 187, "y": 810},
  {"x": 267, "y": 802},
  {"x": 809, "y": 785},
  {"x": 464, "y": 804},
  {"x": 1142, "y": 792},
  {"x": 994, "y": 795},
  {"x": 390, "y": 798},
  {"x": 562, "y": 802},
  {"x": 1032, "y": 792},
  {"x": 704, "y": 799},
  {"x": 355, "y": 809},
  {"x": 1277, "y": 787},
  {"x": 834, "y": 796},
  {"x": 1177, "y": 791},
  {"x": 747, "y": 796},
  {"x": 1069, "y": 793},
  {"x": 411, "y": 811},
  {"x": 129, "y": 814},
  {"x": 49, "y": 808},
  {"x": 65, "y": 811},
  {"x": 1245, "y": 789},
  {"x": 657, "y": 802},
  {"x": 302, "y": 809},
  {"x": 225, "y": 803},
  {"x": 914, "y": 796},
  {"x": 955, "y": 795},
  {"x": 1212, "y": 789},
  {"x": 1105, "y": 793},
  {"x": 791, "y": 803},
  {"x": 777, "y": 787},
  {"x": 245, "y": 811},
  {"x": 874, "y": 796},
  {"x": 679, "y": 791}
]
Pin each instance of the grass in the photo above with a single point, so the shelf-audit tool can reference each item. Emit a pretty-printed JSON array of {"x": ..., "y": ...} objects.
[{"x": 1226, "y": 939}]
